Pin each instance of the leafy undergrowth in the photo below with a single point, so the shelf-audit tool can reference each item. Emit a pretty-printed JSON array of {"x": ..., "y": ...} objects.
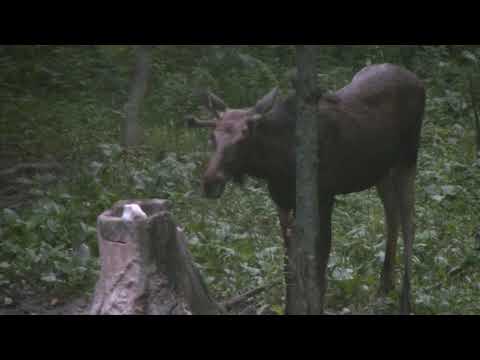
[{"x": 235, "y": 241}]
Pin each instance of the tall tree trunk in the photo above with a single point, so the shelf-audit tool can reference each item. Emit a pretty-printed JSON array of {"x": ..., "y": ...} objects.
[
  {"x": 473, "y": 96},
  {"x": 132, "y": 133},
  {"x": 304, "y": 256}
]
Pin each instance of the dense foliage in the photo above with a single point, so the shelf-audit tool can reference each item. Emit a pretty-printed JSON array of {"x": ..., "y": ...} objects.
[{"x": 65, "y": 103}]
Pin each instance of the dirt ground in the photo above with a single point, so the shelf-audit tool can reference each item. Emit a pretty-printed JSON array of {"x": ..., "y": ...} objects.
[{"x": 45, "y": 305}]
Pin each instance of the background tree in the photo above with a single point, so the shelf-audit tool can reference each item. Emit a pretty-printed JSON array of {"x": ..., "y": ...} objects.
[
  {"x": 474, "y": 95},
  {"x": 132, "y": 132}
]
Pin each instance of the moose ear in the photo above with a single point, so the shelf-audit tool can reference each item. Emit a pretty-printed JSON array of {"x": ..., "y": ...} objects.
[
  {"x": 213, "y": 103},
  {"x": 267, "y": 102}
]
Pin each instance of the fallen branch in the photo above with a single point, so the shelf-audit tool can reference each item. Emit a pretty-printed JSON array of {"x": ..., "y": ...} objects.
[{"x": 229, "y": 304}]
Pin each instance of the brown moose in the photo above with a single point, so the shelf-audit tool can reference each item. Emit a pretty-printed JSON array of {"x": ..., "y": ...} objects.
[{"x": 370, "y": 138}]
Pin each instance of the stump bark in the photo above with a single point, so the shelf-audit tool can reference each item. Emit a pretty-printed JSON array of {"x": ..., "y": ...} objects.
[{"x": 146, "y": 267}]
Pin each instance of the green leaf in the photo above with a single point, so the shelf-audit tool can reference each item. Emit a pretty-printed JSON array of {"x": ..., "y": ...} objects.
[
  {"x": 470, "y": 56},
  {"x": 52, "y": 225},
  {"x": 7, "y": 301},
  {"x": 450, "y": 190},
  {"x": 49, "y": 278},
  {"x": 431, "y": 190},
  {"x": 10, "y": 216},
  {"x": 343, "y": 274},
  {"x": 277, "y": 309},
  {"x": 438, "y": 198}
]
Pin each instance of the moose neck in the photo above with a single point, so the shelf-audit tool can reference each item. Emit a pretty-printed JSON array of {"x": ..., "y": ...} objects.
[{"x": 271, "y": 155}]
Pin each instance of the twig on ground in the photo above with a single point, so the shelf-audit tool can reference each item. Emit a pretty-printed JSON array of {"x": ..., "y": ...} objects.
[{"x": 229, "y": 304}]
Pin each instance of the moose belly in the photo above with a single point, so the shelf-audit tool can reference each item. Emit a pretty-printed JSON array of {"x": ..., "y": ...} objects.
[
  {"x": 361, "y": 181},
  {"x": 358, "y": 172}
]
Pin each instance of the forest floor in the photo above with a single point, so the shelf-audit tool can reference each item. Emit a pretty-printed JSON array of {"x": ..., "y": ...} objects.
[
  {"x": 34, "y": 303},
  {"x": 16, "y": 194}
]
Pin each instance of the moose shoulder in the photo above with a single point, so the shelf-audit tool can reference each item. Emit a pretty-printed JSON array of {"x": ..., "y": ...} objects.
[{"x": 369, "y": 137}]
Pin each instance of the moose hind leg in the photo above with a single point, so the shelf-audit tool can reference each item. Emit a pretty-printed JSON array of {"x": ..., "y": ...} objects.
[
  {"x": 323, "y": 248},
  {"x": 405, "y": 189},
  {"x": 386, "y": 191}
]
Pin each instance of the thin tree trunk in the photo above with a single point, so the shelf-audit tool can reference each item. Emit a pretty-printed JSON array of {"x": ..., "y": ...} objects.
[
  {"x": 473, "y": 95},
  {"x": 304, "y": 257},
  {"x": 132, "y": 133}
]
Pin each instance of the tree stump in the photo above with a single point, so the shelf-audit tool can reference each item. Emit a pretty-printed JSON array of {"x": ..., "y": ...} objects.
[{"x": 146, "y": 268}]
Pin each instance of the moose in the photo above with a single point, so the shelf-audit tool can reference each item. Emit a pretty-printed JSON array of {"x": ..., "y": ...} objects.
[{"x": 370, "y": 133}]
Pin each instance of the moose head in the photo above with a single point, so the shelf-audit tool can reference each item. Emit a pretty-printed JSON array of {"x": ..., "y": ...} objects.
[{"x": 233, "y": 131}]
